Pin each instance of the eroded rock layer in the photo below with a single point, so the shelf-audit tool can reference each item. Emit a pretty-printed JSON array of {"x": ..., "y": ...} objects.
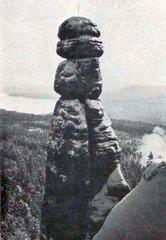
[
  {"x": 79, "y": 78},
  {"x": 81, "y": 47}
]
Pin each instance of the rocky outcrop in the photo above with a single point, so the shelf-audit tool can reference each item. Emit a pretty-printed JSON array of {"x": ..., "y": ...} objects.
[
  {"x": 83, "y": 149},
  {"x": 141, "y": 214},
  {"x": 79, "y": 78},
  {"x": 114, "y": 189}
]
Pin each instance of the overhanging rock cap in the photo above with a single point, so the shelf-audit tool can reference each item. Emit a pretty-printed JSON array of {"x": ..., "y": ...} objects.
[{"x": 75, "y": 27}]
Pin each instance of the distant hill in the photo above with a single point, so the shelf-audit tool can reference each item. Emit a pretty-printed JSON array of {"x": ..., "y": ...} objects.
[
  {"x": 137, "y": 103},
  {"x": 142, "y": 93}
]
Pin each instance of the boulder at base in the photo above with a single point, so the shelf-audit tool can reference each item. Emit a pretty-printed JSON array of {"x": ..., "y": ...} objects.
[
  {"x": 112, "y": 192},
  {"x": 141, "y": 215}
]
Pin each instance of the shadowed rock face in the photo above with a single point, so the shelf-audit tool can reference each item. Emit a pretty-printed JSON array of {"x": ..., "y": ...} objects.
[
  {"x": 142, "y": 213},
  {"x": 66, "y": 193},
  {"x": 83, "y": 149}
]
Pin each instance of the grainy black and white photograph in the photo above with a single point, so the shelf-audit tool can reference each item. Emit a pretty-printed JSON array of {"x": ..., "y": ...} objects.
[{"x": 83, "y": 119}]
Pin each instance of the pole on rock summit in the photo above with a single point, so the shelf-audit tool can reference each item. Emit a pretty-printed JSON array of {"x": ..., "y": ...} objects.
[{"x": 78, "y": 8}]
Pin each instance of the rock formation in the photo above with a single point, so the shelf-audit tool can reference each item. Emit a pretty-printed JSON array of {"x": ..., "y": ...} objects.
[
  {"x": 83, "y": 176},
  {"x": 142, "y": 213}
]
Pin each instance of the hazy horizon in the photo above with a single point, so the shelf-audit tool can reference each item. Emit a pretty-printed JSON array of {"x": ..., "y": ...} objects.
[
  {"x": 147, "y": 104},
  {"x": 159, "y": 89}
]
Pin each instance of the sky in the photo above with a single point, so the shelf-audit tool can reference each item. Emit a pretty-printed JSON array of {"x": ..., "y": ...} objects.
[{"x": 133, "y": 34}]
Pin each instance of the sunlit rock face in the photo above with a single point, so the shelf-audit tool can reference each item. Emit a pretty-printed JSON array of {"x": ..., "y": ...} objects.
[
  {"x": 114, "y": 189},
  {"x": 83, "y": 152},
  {"x": 142, "y": 213},
  {"x": 104, "y": 148}
]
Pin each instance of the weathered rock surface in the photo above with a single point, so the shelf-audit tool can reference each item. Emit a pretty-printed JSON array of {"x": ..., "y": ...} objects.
[
  {"x": 79, "y": 78},
  {"x": 142, "y": 213},
  {"x": 116, "y": 184},
  {"x": 107, "y": 186},
  {"x": 81, "y": 47},
  {"x": 74, "y": 27},
  {"x": 65, "y": 201},
  {"x": 103, "y": 142}
]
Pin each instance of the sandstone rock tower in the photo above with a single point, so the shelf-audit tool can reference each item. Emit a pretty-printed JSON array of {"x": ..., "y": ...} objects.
[{"x": 83, "y": 176}]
